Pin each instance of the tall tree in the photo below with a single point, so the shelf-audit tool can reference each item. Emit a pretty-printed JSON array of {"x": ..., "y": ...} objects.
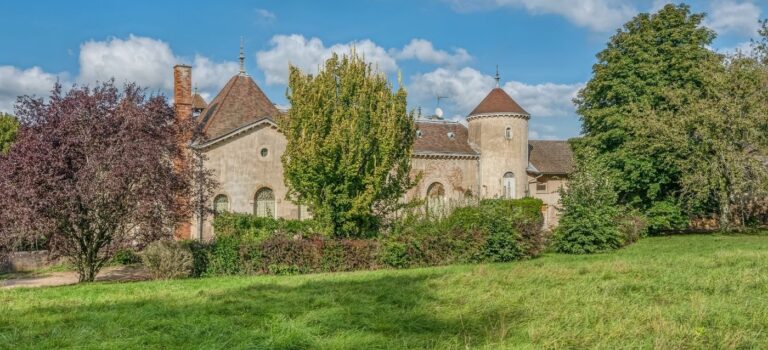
[
  {"x": 725, "y": 142},
  {"x": 94, "y": 170},
  {"x": 8, "y": 128},
  {"x": 350, "y": 140},
  {"x": 656, "y": 63}
]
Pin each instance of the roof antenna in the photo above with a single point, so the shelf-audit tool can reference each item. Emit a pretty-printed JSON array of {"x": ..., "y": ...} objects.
[
  {"x": 242, "y": 58},
  {"x": 497, "y": 77}
]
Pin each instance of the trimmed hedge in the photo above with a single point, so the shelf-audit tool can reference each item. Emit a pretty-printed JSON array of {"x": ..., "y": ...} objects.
[{"x": 492, "y": 231}]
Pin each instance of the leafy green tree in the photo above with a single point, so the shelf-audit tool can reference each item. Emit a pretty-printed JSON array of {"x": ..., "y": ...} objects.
[
  {"x": 589, "y": 223},
  {"x": 724, "y": 141},
  {"x": 657, "y": 63},
  {"x": 8, "y": 129},
  {"x": 350, "y": 141}
]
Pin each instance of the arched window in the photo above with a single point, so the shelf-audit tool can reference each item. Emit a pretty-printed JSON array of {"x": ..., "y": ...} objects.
[
  {"x": 220, "y": 204},
  {"x": 264, "y": 203},
  {"x": 509, "y": 185},
  {"x": 508, "y": 133},
  {"x": 435, "y": 197}
]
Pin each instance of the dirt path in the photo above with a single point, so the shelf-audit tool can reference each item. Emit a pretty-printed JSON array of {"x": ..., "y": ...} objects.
[{"x": 113, "y": 273}]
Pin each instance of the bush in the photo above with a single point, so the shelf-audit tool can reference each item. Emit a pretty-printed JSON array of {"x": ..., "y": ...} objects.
[
  {"x": 589, "y": 223},
  {"x": 167, "y": 260},
  {"x": 126, "y": 257},
  {"x": 632, "y": 226},
  {"x": 199, "y": 252},
  {"x": 665, "y": 216},
  {"x": 492, "y": 231}
]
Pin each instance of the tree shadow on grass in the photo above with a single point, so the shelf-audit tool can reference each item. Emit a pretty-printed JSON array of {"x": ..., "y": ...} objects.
[{"x": 391, "y": 311}]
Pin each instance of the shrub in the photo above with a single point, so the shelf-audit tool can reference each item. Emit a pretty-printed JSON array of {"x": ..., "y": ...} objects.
[
  {"x": 589, "y": 221},
  {"x": 492, "y": 231},
  {"x": 199, "y": 252},
  {"x": 665, "y": 216},
  {"x": 632, "y": 226},
  {"x": 224, "y": 256},
  {"x": 283, "y": 254},
  {"x": 126, "y": 257},
  {"x": 167, "y": 259}
]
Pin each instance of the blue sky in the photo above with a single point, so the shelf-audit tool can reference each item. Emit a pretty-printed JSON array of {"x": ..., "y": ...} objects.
[{"x": 544, "y": 48}]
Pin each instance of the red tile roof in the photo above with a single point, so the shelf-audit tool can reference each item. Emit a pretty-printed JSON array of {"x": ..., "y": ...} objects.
[
  {"x": 434, "y": 138},
  {"x": 498, "y": 101},
  {"x": 239, "y": 103},
  {"x": 551, "y": 157}
]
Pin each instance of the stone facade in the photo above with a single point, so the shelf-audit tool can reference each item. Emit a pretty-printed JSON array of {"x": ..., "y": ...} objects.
[{"x": 491, "y": 157}]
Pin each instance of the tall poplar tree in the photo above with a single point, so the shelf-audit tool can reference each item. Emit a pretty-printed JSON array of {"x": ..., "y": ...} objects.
[{"x": 349, "y": 148}]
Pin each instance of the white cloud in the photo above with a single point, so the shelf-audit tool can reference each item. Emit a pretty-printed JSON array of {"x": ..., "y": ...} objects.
[
  {"x": 309, "y": 55},
  {"x": 597, "y": 15},
  {"x": 209, "y": 75},
  {"x": 148, "y": 62},
  {"x": 145, "y": 61},
  {"x": 734, "y": 17},
  {"x": 466, "y": 87},
  {"x": 544, "y": 100},
  {"x": 17, "y": 82},
  {"x": 424, "y": 51},
  {"x": 265, "y": 16}
]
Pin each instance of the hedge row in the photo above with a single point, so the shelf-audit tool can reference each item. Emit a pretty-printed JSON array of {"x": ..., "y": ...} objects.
[{"x": 492, "y": 231}]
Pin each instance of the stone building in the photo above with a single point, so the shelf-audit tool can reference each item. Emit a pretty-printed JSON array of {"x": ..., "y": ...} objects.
[{"x": 489, "y": 157}]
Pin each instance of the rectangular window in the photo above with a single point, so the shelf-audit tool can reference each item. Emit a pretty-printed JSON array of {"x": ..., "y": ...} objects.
[{"x": 541, "y": 187}]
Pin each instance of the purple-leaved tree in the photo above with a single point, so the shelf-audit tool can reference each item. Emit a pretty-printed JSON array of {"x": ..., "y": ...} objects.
[{"x": 97, "y": 169}]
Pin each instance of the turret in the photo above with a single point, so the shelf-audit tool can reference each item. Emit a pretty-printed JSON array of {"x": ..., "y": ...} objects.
[{"x": 498, "y": 129}]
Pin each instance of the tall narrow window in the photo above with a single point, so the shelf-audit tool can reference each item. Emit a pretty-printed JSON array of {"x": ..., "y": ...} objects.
[
  {"x": 509, "y": 185},
  {"x": 264, "y": 203},
  {"x": 508, "y": 133},
  {"x": 220, "y": 204},
  {"x": 435, "y": 198}
]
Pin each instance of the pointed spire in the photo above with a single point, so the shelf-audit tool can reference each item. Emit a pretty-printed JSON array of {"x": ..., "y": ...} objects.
[
  {"x": 497, "y": 76},
  {"x": 242, "y": 58}
]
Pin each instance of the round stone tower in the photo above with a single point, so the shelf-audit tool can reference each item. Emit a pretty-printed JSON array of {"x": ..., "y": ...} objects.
[{"x": 498, "y": 129}]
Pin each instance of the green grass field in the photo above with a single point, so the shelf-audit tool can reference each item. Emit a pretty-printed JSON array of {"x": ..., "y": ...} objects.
[{"x": 697, "y": 291}]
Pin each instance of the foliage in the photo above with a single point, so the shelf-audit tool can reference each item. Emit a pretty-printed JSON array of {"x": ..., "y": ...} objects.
[
  {"x": 9, "y": 126},
  {"x": 349, "y": 145},
  {"x": 126, "y": 256},
  {"x": 226, "y": 224},
  {"x": 723, "y": 138},
  {"x": 96, "y": 170},
  {"x": 554, "y": 302},
  {"x": 166, "y": 259},
  {"x": 495, "y": 230},
  {"x": 657, "y": 63},
  {"x": 199, "y": 251},
  {"x": 665, "y": 216},
  {"x": 589, "y": 212}
]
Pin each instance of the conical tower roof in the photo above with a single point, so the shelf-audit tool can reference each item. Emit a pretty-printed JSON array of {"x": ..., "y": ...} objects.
[{"x": 498, "y": 102}]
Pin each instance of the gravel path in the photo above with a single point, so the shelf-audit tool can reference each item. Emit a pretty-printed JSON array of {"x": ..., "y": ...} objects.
[{"x": 113, "y": 273}]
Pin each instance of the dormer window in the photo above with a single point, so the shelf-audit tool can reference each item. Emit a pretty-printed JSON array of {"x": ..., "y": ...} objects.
[
  {"x": 419, "y": 133},
  {"x": 508, "y": 133},
  {"x": 451, "y": 135}
]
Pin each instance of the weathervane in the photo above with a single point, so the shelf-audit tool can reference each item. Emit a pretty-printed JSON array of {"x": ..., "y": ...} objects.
[
  {"x": 497, "y": 76},
  {"x": 242, "y": 57}
]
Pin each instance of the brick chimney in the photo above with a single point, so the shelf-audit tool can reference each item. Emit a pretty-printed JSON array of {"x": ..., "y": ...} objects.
[
  {"x": 182, "y": 91},
  {"x": 182, "y": 103}
]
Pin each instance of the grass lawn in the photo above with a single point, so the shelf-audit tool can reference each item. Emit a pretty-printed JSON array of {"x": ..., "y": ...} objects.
[{"x": 697, "y": 291}]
